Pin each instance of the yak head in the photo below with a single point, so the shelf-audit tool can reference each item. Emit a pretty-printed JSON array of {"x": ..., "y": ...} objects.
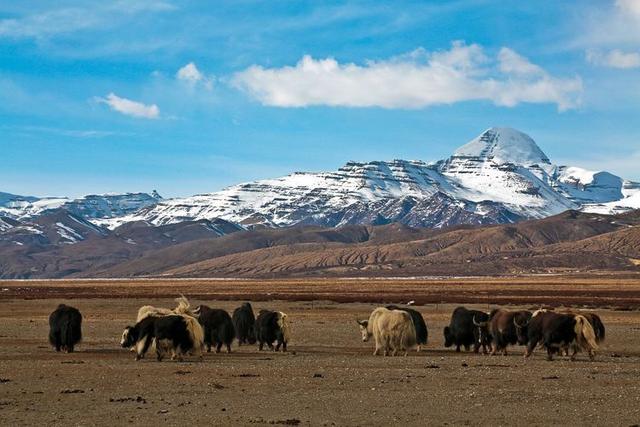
[
  {"x": 448, "y": 337},
  {"x": 481, "y": 331},
  {"x": 521, "y": 322},
  {"x": 129, "y": 337},
  {"x": 364, "y": 329}
]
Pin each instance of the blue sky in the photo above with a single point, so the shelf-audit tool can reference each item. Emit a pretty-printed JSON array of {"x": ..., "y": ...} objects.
[{"x": 189, "y": 97}]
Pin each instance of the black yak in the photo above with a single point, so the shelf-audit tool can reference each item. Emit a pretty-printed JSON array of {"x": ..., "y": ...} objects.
[
  {"x": 218, "y": 327},
  {"x": 272, "y": 326},
  {"x": 244, "y": 324},
  {"x": 179, "y": 333},
  {"x": 65, "y": 328},
  {"x": 468, "y": 327},
  {"x": 422, "y": 334}
]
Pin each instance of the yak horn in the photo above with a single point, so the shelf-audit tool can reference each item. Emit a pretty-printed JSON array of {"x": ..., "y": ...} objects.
[
  {"x": 515, "y": 322},
  {"x": 478, "y": 324}
]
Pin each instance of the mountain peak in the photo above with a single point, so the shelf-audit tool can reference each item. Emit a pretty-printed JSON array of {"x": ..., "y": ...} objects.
[{"x": 504, "y": 145}]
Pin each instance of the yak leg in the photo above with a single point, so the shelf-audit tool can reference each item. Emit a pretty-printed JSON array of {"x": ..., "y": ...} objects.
[
  {"x": 573, "y": 355},
  {"x": 145, "y": 347},
  {"x": 218, "y": 347},
  {"x": 549, "y": 353},
  {"x": 529, "y": 350},
  {"x": 494, "y": 348},
  {"x": 229, "y": 348},
  {"x": 457, "y": 348}
]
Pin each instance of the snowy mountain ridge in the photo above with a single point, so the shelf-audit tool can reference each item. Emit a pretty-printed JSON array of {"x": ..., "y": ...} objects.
[{"x": 500, "y": 176}]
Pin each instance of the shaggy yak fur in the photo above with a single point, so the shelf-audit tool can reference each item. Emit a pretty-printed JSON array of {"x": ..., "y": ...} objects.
[
  {"x": 272, "y": 326},
  {"x": 65, "y": 328},
  {"x": 392, "y": 331},
  {"x": 422, "y": 334},
  {"x": 244, "y": 324},
  {"x": 218, "y": 327}
]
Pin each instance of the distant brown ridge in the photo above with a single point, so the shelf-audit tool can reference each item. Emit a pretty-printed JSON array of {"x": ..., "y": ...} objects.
[{"x": 569, "y": 242}]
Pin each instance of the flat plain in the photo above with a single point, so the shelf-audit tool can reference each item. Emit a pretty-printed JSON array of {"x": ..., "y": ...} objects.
[{"x": 328, "y": 376}]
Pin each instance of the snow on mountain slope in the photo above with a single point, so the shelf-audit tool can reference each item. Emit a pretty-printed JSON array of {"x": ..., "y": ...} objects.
[
  {"x": 91, "y": 206},
  {"x": 503, "y": 145},
  {"x": 582, "y": 185},
  {"x": 16, "y": 206},
  {"x": 630, "y": 200},
  {"x": 506, "y": 166}
]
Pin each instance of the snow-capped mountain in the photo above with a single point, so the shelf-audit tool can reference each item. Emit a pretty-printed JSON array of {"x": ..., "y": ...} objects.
[
  {"x": 92, "y": 207},
  {"x": 500, "y": 176}
]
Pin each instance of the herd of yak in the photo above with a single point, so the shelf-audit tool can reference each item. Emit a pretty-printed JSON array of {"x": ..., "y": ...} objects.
[{"x": 181, "y": 331}]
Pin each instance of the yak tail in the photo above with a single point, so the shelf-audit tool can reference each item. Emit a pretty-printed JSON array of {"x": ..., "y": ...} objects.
[
  {"x": 70, "y": 333},
  {"x": 598, "y": 328},
  {"x": 585, "y": 335},
  {"x": 183, "y": 306},
  {"x": 196, "y": 333},
  {"x": 410, "y": 339},
  {"x": 285, "y": 327}
]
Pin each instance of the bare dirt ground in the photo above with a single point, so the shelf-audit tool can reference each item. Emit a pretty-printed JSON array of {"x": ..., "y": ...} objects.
[{"x": 329, "y": 376}]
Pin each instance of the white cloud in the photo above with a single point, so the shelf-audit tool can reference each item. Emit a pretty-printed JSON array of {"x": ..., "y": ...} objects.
[
  {"x": 511, "y": 62},
  {"x": 629, "y": 6},
  {"x": 416, "y": 80},
  {"x": 190, "y": 74},
  {"x": 56, "y": 21},
  {"x": 131, "y": 108},
  {"x": 614, "y": 58}
]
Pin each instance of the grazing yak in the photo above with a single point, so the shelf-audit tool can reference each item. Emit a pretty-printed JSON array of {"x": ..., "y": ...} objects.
[
  {"x": 149, "y": 310},
  {"x": 556, "y": 331},
  {"x": 218, "y": 327},
  {"x": 272, "y": 326},
  {"x": 65, "y": 328},
  {"x": 392, "y": 331},
  {"x": 468, "y": 327},
  {"x": 178, "y": 333},
  {"x": 507, "y": 328},
  {"x": 244, "y": 324},
  {"x": 422, "y": 334}
]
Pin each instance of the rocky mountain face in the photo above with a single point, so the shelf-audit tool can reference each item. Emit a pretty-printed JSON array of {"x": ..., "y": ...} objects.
[{"x": 59, "y": 243}]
